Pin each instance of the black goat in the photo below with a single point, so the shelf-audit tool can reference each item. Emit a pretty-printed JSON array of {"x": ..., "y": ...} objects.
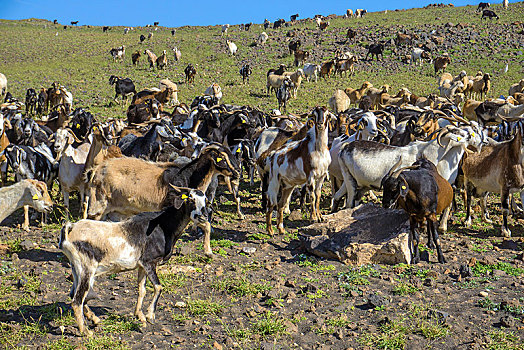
[
  {"x": 190, "y": 73},
  {"x": 142, "y": 38},
  {"x": 278, "y": 23},
  {"x": 41, "y": 105},
  {"x": 489, "y": 14},
  {"x": 208, "y": 101},
  {"x": 294, "y": 17},
  {"x": 30, "y": 101},
  {"x": 375, "y": 49},
  {"x": 294, "y": 45},
  {"x": 146, "y": 147},
  {"x": 415, "y": 190},
  {"x": 105, "y": 29},
  {"x": 245, "y": 72},
  {"x": 35, "y": 163},
  {"x": 81, "y": 123},
  {"x": 141, "y": 112},
  {"x": 124, "y": 87}
]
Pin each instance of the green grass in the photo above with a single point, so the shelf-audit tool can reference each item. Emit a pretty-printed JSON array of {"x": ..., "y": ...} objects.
[
  {"x": 404, "y": 288},
  {"x": 501, "y": 340},
  {"x": 392, "y": 336},
  {"x": 120, "y": 324},
  {"x": 480, "y": 269},
  {"x": 240, "y": 286},
  {"x": 200, "y": 307},
  {"x": 268, "y": 324},
  {"x": 79, "y": 58}
]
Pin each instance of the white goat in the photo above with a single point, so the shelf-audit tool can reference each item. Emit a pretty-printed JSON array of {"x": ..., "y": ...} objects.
[
  {"x": 214, "y": 90},
  {"x": 311, "y": 70},
  {"x": 26, "y": 193},
  {"x": 232, "y": 47},
  {"x": 71, "y": 167}
]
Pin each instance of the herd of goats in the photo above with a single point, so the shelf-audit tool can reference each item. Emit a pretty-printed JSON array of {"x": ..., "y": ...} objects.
[{"x": 141, "y": 182}]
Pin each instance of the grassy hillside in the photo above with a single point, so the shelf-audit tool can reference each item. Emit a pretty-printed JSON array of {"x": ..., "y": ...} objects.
[{"x": 39, "y": 53}]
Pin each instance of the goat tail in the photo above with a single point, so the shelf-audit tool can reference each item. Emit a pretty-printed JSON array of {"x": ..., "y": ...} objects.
[{"x": 64, "y": 233}]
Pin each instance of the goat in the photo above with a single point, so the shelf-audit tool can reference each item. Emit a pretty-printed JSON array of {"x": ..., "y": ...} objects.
[
  {"x": 298, "y": 163},
  {"x": 327, "y": 69},
  {"x": 96, "y": 248},
  {"x": 360, "y": 12},
  {"x": 225, "y": 27},
  {"x": 516, "y": 88},
  {"x": 151, "y": 182},
  {"x": 481, "y": 85},
  {"x": 294, "y": 45},
  {"x": 417, "y": 55},
  {"x": 214, "y": 90},
  {"x": 296, "y": 78},
  {"x": 323, "y": 25},
  {"x": 482, "y": 6},
  {"x": 345, "y": 65},
  {"x": 190, "y": 72},
  {"x": 505, "y": 176},
  {"x": 284, "y": 92},
  {"x": 41, "y": 102},
  {"x": 162, "y": 96},
  {"x": 441, "y": 62},
  {"x": 4, "y": 142},
  {"x": 356, "y": 94},
  {"x": 232, "y": 47},
  {"x": 262, "y": 39},
  {"x": 349, "y": 13},
  {"x": 311, "y": 70},
  {"x": 278, "y": 23},
  {"x": 300, "y": 57},
  {"x": 489, "y": 14},
  {"x": 146, "y": 147},
  {"x": 245, "y": 72},
  {"x": 142, "y": 112},
  {"x": 151, "y": 57},
  {"x": 30, "y": 101},
  {"x": 376, "y": 95},
  {"x": 339, "y": 102},
  {"x": 416, "y": 191},
  {"x": 161, "y": 61},
  {"x": 27, "y": 192},
  {"x": 173, "y": 98},
  {"x": 177, "y": 54},
  {"x": 124, "y": 87},
  {"x": 375, "y": 50},
  {"x": 135, "y": 58},
  {"x": 71, "y": 166},
  {"x": 294, "y": 17},
  {"x": 118, "y": 53},
  {"x": 354, "y": 159}
]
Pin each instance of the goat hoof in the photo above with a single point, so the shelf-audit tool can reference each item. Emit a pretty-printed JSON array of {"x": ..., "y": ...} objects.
[
  {"x": 25, "y": 228},
  {"x": 150, "y": 318},
  {"x": 87, "y": 332},
  {"x": 95, "y": 320},
  {"x": 241, "y": 216},
  {"x": 505, "y": 232},
  {"x": 488, "y": 220},
  {"x": 209, "y": 254}
]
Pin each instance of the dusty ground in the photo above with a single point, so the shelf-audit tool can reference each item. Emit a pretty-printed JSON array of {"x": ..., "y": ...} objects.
[{"x": 274, "y": 296}]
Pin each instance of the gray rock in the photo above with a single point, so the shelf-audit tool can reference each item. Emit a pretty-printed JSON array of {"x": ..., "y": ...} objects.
[
  {"x": 249, "y": 250},
  {"x": 507, "y": 321},
  {"x": 377, "y": 300},
  {"x": 465, "y": 271},
  {"x": 27, "y": 245},
  {"x": 441, "y": 316},
  {"x": 367, "y": 234}
]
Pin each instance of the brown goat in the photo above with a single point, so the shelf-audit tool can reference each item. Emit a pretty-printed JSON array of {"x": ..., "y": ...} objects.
[
  {"x": 327, "y": 69},
  {"x": 135, "y": 57},
  {"x": 161, "y": 96},
  {"x": 441, "y": 63},
  {"x": 356, "y": 94}
]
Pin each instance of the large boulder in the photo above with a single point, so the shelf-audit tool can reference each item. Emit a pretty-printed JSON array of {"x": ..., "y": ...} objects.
[{"x": 367, "y": 234}]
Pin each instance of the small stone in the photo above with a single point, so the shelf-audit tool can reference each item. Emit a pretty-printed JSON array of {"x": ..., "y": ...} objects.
[
  {"x": 377, "y": 300},
  {"x": 14, "y": 257},
  {"x": 180, "y": 304},
  {"x": 441, "y": 316},
  {"x": 465, "y": 271},
  {"x": 432, "y": 274},
  {"x": 217, "y": 346},
  {"x": 498, "y": 273},
  {"x": 185, "y": 250},
  {"x": 219, "y": 271},
  {"x": 430, "y": 282},
  {"x": 310, "y": 288},
  {"x": 289, "y": 284},
  {"x": 249, "y": 250},
  {"x": 290, "y": 327},
  {"x": 295, "y": 215},
  {"x": 483, "y": 294},
  {"x": 27, "y": 245},
  {"x": 507, "y": 321}
]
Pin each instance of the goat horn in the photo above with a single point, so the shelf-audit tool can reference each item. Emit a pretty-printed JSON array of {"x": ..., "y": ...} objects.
[
  {"x": 441, "y": 133},
  {"x": 392, "y": 170},
  {"x": 73, "y": 134},
  {"x": 459, "y": 118}
]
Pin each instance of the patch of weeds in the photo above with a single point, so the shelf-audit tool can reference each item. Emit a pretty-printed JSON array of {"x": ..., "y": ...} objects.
[
  {"x": 481, "y": 248},
  {"x": 404, "y": 288},
  {"x": 13, "y": 245},
  {"x": 269, "y": 324},
  {"x": 12, "y": 334},
  {"x": 180, "y": 318},
  {"x": 432, "y": 329},
  {"x": 6, "y": 267},
  {"x": 501, "y": 340},
  {"x": 28, "y": 285},
  {"x": 190, "y": 259},
  {"x": 239, "y": 334},
  {"x": 251, "y": 266},
  {"x": 392, "y": 336},
  {"x": 199, "y": 307},
  {"x": 222, "y": 243},
  {"x": 259, "y": 236},
  {"x": 356, "y": 276},
  {"x": 332, "y": 324},
  {"x": 172, "y": 281},
  {"x": 406, "y": 271},
  {"x": 312, "y": 297},
  {"x": 481, "y": 269},
  {"x": 240, "y": 286},
  {"x": 290, "y": 236},
  {"x": 120, "y": 324},
  {"x": 488, "y": 304},
  {"x": 105, "y": 342},
  {"x": 60, "y": 344},
  {"x": 274, "y": 302}
]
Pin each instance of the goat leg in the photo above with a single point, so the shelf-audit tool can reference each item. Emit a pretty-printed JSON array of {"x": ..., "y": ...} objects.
[
  {"x": 414, "y": 241},
  {"x": 484, "y": 208},
  {"x": 141, "y": 294},
  {"x": 286, "y": 194},
  {"x": 469, "y": 192},
  {"x": 25, "y": 226},
  {"x": 433, "y": 227},
  {"x": 153, "y": 277},
  {"x": 505, "y": 211},
  {"x": 78, "y": 302},
  {"x": 443, "y": 227}
]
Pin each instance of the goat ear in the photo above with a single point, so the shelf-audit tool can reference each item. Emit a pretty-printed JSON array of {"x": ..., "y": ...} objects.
[
  {"x": 404, "y": 188},
  {"x": 310, "y": 123}
]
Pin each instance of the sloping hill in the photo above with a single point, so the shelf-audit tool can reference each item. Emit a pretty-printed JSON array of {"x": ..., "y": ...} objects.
[{"x": 39, "y": 53}]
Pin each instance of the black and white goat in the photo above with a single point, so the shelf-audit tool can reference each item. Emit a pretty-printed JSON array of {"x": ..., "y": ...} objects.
[{"x": 96, "y": 248}]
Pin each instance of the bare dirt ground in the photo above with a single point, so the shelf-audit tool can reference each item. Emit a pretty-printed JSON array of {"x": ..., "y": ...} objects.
[{"x": 264, "y": 292}]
